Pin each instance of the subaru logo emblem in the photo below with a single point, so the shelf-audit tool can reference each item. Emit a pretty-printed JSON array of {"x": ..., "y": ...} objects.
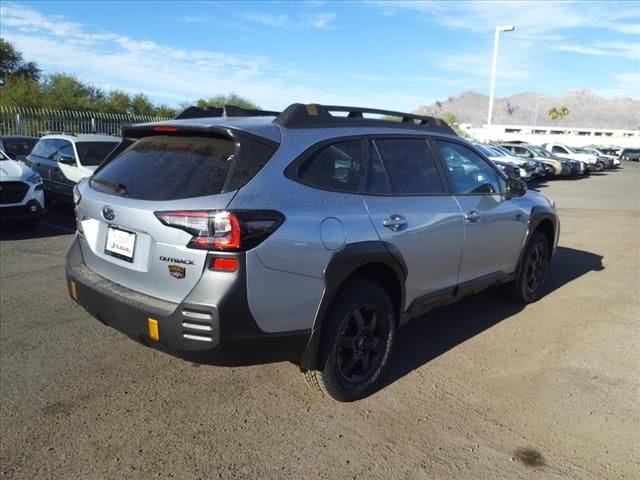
[{"x": 108, "y": 214}]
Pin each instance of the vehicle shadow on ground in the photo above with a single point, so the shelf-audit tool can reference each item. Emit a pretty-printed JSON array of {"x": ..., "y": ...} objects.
[
  {"x": 441, "y": 330},
  {"x": 59, "y": 220}
]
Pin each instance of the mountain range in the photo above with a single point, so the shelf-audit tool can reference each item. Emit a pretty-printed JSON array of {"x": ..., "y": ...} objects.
[{"x": 585, "y": 110}]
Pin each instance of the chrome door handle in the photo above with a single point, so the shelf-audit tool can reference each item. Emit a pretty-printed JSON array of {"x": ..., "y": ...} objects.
[
  {"x": 472, "y": 216},
  {"x": 395, "y": 222}
]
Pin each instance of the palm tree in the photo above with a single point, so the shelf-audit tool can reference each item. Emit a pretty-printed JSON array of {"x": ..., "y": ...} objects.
[{"x": 558, "y": 113}]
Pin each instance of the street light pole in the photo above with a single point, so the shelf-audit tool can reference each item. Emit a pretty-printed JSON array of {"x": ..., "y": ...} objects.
[
  {"x": 499, "y": 28},
  {"x": 535, "y": 118}
]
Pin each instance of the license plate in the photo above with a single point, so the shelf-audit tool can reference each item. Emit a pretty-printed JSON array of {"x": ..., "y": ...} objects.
[{"x": 120, "y": 244}]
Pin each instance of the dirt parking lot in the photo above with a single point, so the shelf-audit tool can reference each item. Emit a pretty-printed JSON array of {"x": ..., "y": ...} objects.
[{"x": 479, "y": 390}]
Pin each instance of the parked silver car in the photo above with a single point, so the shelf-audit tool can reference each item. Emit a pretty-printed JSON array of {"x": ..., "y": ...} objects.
[{"x": 310, "y": 235}]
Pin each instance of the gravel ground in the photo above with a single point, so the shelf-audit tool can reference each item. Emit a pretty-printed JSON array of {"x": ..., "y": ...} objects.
[{"x": 483, "y": 389}]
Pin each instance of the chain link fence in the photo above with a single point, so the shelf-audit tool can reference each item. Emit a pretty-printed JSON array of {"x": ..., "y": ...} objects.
[{"x": 36, "y": 122}]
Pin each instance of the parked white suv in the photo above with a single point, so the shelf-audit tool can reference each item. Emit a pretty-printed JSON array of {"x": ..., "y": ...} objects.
[
  {"x": 566, "y": 151},
  {"x": 62, "y": 160},
  {"x": 21, "y": 194}
]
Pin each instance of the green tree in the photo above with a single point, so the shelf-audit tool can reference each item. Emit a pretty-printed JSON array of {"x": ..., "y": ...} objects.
[
  {"x": 63, "y": 91},
  {"x": 21, "y": 92},
  {"x": 12, "y": 64},
  {"x": 117, "y": 101},
  {"x": 221, "y": 100},
  {"x": 558, "y": 113},
  {"x": 451, "y": 120},
  {"x": 164, "y": 111},
  {"x": 141, "y": 105}
]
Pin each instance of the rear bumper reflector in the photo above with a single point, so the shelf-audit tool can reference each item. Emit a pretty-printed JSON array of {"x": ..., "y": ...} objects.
[{"x": 154, "y": 331}]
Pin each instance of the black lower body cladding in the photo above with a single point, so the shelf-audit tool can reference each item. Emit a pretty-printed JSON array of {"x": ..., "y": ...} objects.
[
  {"x": 228, "y": 334},
  {"x": 31, "y": 210}
]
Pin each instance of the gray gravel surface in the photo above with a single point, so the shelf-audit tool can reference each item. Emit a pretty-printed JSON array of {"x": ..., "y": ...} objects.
[{"x": 483, "y": 389}]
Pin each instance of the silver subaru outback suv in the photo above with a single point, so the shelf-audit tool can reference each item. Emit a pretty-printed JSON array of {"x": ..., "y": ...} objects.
[{"x": 229, "y": 236}]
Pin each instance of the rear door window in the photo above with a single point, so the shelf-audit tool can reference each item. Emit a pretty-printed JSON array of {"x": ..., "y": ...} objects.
[
  {"x": 334, "y": 167},
  {"x": 407, "y": 164},
  {"x": 175, "y": 167}
]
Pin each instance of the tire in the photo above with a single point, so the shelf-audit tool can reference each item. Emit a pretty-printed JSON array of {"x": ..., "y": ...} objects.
[
  {"x": 529, "y": 283},
  {"x": 358, "y": 334},
  {"x": 599, "y": 166}
]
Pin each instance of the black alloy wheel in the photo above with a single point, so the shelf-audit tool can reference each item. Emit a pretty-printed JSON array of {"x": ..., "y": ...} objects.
[
  {"x": 535, "y": 268},
  {"x": 359, "y": 344}
]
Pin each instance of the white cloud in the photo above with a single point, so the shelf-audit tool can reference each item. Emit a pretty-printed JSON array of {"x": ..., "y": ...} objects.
[
  {"x": 321, "y": 20},
  {"x": 172, "y": 75},
  {"x": 622, "y": 85},
  {"x": 604, "y": 49},
  {"x": 193, "y": 19},
  {"x": 303, "y": 20},
  {"x": 268, "y": 19},
  {"x": 532, "y": 17}
]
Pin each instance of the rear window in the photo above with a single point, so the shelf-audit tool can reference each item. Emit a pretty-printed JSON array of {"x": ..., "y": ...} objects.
[
  {"x": 175, "y": 167},
  {"x": 93, "y": 153},
  {"x": 19, "y": 147}
]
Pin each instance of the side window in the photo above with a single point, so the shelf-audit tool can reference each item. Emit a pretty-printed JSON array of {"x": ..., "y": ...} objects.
[
  {"x": 468, "y": 172},
  {"x": 45, "y": 149},
  {"x": 557, "y": 149},
  {"x": 521, "y": 152},
  {"x": 335, "y": 167},
  {"x": 64, "y": 148},
  {"x": 408, "y": 164}
]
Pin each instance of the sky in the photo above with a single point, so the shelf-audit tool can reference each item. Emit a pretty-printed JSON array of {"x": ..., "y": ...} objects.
[{"x": 393, "y": 55}]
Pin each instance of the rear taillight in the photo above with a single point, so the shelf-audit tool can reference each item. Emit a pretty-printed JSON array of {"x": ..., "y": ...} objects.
[{"x": 236, "y": 230}]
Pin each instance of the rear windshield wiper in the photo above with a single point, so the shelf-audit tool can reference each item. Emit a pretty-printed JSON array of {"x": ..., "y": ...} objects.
[{"x": 116, "y": 187}]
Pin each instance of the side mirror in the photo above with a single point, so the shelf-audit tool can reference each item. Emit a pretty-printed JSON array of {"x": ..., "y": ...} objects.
[
  {"x": 515, "y": 188},
  {"x": 65, "y": 159}
]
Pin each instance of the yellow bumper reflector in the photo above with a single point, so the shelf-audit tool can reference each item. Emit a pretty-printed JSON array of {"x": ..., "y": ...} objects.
[
  {"x": 154, "y": 331},
  {"x": 74, "y": 290}
]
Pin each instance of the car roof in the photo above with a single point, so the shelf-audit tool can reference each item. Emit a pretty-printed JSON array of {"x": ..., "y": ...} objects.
[
  {"x": 333, "y": 120},
  {"x": 85, "y": 137},
  {"x": 18, "y": 137}
]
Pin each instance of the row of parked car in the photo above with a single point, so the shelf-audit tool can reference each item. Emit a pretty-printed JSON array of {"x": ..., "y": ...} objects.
[
  {"x": 527, "y": 161},
  {"x": 36, "y": 170},
  {"x": 51, "y": 165}
]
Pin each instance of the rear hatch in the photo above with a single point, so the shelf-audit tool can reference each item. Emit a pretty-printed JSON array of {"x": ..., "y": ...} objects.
[{"x": 122, "y": 233}]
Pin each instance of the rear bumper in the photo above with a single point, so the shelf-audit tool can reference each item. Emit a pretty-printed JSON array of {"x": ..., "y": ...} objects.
[
  {"x": 222, "y": 334},
  {"x": 30, "y": 210}
]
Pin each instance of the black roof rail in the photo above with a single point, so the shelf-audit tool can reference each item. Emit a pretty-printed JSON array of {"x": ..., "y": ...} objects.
[
  {"x": 313, "y": 115},
  {"x": 225, "y": 111}
]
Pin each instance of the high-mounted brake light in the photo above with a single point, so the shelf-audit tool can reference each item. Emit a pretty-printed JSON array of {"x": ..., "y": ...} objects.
[
  {"x": 163, "y": 128},
  {"x": 222, "y": 230}
]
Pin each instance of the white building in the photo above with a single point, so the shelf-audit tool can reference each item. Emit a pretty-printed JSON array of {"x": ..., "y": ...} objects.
[{"x": 572, "y": 136}]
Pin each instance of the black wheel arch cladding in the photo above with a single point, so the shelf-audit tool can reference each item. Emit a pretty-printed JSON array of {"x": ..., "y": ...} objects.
[{"x": 378, "y": 261}]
